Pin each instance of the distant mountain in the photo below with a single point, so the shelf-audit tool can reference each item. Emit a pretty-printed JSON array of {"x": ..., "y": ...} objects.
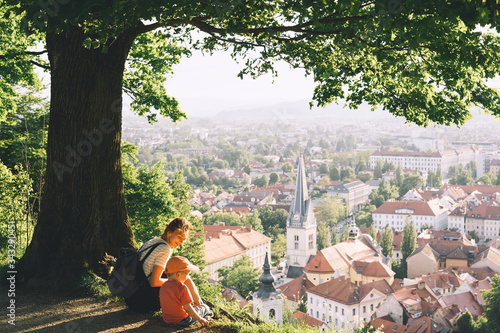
[{"x": 299, "y": 110}]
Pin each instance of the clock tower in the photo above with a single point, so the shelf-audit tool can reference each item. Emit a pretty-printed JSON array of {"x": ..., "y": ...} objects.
[{"x": 301, "y": 224}]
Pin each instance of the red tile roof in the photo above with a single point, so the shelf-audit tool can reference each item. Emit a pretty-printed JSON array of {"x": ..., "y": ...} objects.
[
  {"x": 405, "y": 153},
  {"x": 436, "y": 280},
  {"x": 477, "y": 286},
  {"x": 495, "y": 242},
  {"x": 339, "y": 256},
  {"x": 429, "y": 208},
  {"x": 374, "y": 268},
  {"x": 342, "y": 290},
  {"x": 486, "y": 212},
  {"x": 423, "y": 325},
  {"x": 223, "y": 242},
  {"x": 465, "y": 302},
  {"x": 310, "y": 321},
  {"x": 296, "y": 289},
  {"x": 487, "y": 189},
  {"x": 478, "y": 273},
  {"x": 386, "y": 326}
]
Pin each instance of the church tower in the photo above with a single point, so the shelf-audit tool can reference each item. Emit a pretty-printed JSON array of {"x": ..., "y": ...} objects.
[
  {"x": 267, "y": 301},
  {"x": 301, "y": 224}
]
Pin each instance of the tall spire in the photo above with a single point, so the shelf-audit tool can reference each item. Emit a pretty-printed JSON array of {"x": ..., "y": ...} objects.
[
  {"x": 266, "y": 287},
  {"x": 301, "y": 195}
]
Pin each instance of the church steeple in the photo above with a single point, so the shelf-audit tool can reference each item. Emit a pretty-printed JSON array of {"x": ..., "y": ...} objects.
[
  {"x": 301, "y": 194},
  {"x": 353, "y": 230},
  {"x": 266, "y": 288},
  {"x": 267, "y": 301},
  {"x": 301, "y": 226}
]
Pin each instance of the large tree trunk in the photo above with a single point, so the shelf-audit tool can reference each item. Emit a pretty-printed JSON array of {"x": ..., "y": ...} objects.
[{"x": 83, "y": 213}]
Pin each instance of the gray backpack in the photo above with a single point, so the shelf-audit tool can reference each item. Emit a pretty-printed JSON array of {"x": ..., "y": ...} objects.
[{"x": 128, "y": 275}]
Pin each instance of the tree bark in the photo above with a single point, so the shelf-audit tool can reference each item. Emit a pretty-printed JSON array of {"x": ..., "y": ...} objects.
[{"x": 83, "y": 214}]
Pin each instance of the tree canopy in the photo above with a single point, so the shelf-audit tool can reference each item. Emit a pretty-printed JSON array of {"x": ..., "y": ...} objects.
[{"x": 422, "y": 60}]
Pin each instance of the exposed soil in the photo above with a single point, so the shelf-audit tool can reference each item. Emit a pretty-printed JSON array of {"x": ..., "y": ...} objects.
[{"x": 40, "y": 311}]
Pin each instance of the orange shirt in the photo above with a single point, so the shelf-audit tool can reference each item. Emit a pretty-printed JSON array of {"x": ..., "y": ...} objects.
[{"x": 173, "y": 296}]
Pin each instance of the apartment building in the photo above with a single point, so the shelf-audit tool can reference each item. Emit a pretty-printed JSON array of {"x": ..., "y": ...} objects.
[
  {"x": 425, "y": 161},
  {"x": 342, "y": 304},
  {"x": 226, "y": 244},
  {"x": 484, "y": 220},
  {"x": 431, "y": 213}
]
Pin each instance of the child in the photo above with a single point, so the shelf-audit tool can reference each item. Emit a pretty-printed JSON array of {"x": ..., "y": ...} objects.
[{"x": 175, "y": 298}]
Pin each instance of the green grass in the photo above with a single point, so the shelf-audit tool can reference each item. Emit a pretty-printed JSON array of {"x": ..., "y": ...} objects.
[
  {"x": 265, "y": 327},
  {"x": 94, "y": 285}
]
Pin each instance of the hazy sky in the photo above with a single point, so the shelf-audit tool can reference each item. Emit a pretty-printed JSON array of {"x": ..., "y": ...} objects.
[{"x": 208, "y": 84}]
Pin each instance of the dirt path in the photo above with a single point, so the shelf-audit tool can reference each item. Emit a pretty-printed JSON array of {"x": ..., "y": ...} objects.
[{"x": 38, "y": 311}]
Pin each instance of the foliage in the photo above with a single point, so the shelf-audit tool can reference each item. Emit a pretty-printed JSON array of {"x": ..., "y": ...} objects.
[
  {"x": 324, "y": 181},
  {"x": 323, "y": 235},
  {"x": 150, "y": 199},
  {"x": 260, "y": 181},
  {"x": 472, "y": 168},
  {"x": 330, "y": 210},
  {"x": 278, "y": 247},
  {"x": 236, "y": 157},
  {"x": 347, "y": 173},
  {"x": 409, "y": 242},
  {"x": 377, "y": 171},
  {"x": 335, "y": 236},
  {"x": 287, "y": 167},
  {"x": 302, "y": 304},
  {"x": 345, "y": 234},
  {"x": 474, "y": 235},
  {"x": 364, "y": 176},
  {"x": 409, "y": 183},
  {"x": 369, "y": 328},
  {"x": 23, "y": 135},
  {"x": 492, "y": 303},
  {"x": 324, "y": 169},
  {"x": 150, "y": 61},
  {"x": 398, "y": 176},
  {"x": 364, "y": 216},
  {"x": 384, "y": 192},
  {"x": 273, "y": 222},
  {"x": 387, "y": 239},
  {"x": 488, "y": 179},
  {"x": 465, "y": 323},
  {"x": 287, "y": 327},
  {"x": 373, "y": 232},
  {"x": 242, "y": 276},
  {"x": 273, "y": 178},
  {"x": 247, "y": 168},
  {"x": 231, "y": 219},
  {"x": 464, "y": 177},
  {"x": 15, "y": 217},
  {"x": 253, "y": 220},
  {"x": 388, "y": 166},
  {"x": 16, "y": 68},
  {"x": 334, "y": 173},
  {"x": 433, "y": 180}
]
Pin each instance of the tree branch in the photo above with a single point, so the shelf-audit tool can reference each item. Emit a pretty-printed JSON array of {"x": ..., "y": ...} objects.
[
  {"x": 35, "y": 52},
  {"x": 39, "y": 65}
]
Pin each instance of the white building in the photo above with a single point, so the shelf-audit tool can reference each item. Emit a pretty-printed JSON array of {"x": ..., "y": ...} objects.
[
  {"x": 226, "y": 244},
  {"x": 431, "y": 213},
  {"x": 342, "y": 304},
  {"x": 456, "y": 219},
  {"x": 426, "y": 162}
]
